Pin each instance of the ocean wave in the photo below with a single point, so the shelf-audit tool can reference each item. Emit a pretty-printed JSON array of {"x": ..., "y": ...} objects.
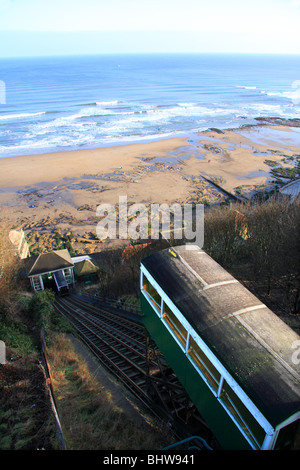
[
  {"x": 294, "y": 96},
  {"x": 97, "y": 125},
  {"x": 51, "y": 142},
  {"x": 270, "y": 109},
  {"x": 140, "y": 121},
  {"x": 187, "y": 105},
  {"x": 108, "y": 103},
  {"x": 99, "y": 103},
  {"x": 138, "y": 115},
  {"x": 66, "y": 121},
  {"x": 187, "y": 110}
]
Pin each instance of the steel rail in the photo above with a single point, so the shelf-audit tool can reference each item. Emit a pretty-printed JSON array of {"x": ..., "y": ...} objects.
[
  {"x": 140, "y": 328},
  {"x": 103, "y": 356},
  {"x": 115, "y": 303},
  {"x": 98, "y": 327},
  {"x": 130, "y": 359},
  {"x": 111, "y": 363},
  {"x": 121, "y": 326},
  {"x": 99, "y": 310},
  {"x": 49, "y": 385},
  {"x": 112, "y": 331}
]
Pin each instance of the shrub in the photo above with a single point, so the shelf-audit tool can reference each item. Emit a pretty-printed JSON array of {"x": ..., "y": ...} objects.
[
  {"x": 9, "y": 271},
  {"x": 40, "y": 309}
]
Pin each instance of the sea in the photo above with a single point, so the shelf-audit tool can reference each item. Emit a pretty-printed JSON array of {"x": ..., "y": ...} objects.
[{"x": 63, "y": 103}]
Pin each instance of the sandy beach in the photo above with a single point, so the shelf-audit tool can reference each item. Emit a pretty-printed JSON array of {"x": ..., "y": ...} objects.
[{"x": 61, "y": 191}]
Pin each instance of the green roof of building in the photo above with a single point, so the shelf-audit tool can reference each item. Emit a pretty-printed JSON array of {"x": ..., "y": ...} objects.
[{"x": 85, "y": 268}]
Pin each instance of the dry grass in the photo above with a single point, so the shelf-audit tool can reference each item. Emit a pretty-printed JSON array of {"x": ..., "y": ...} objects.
[
  {"x": 26, "y": 419},
  {"x": 259, "y": 243},
  {"x": 90, "y": 420}
]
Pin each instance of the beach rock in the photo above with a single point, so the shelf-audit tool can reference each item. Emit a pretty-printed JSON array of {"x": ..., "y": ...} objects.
[
  {"x": 85, "y": 207},
  {"x": 292, "y": 122}
]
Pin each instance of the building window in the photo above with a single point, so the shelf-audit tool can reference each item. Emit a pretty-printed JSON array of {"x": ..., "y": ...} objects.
[
  {"x": 201, "y": 361},
  {"x": 152, "y": 294},
  {"x": 37, "y": 283},
  {"x": 68, "y": 275},
  {"x": 175, "y": 325},
  {"x": 242, "y": 415}
]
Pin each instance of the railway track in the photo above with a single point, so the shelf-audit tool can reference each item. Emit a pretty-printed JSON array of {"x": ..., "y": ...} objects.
[{"x": 121, "y": 343}]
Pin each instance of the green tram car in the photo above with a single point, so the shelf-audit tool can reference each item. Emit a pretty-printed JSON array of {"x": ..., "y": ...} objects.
[{"x": 237, "y": 360}]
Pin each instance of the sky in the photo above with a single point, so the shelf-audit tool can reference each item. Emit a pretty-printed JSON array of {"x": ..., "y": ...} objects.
[{"x": 52, "y": 27}]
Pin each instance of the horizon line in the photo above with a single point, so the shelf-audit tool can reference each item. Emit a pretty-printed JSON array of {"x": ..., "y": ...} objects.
[{"x": 74, "y": 54}]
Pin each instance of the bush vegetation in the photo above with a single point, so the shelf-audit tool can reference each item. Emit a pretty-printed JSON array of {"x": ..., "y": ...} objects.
[
  {"x": 260, "y": 244},
  {"x": 257, "y": 241},
  {"x": 89, "y": 416}
]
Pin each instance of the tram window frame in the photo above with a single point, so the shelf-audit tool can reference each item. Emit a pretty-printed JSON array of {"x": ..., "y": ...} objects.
[
  {"x": 242, "y": 415},
  {"x": 174, "y": 325},
  {"x": 149, "y": 296},
  {"x": 203, "y": 364},
  {"x": 289, "y": 437}
]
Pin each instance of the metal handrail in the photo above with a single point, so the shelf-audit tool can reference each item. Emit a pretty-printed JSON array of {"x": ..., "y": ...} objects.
[{"x": 51, "y": 391}]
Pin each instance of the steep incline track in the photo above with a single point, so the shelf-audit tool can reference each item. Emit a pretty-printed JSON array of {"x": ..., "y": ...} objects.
[
  {"x": 121, "y": 343},
  {"x": 117, "y": 342}
]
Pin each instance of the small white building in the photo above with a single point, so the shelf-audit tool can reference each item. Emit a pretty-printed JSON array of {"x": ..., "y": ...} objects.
[{"x": 51, "y": 270}]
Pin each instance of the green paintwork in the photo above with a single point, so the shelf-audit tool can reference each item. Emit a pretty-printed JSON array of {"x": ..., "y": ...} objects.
[{"x": 212, "y": 411}]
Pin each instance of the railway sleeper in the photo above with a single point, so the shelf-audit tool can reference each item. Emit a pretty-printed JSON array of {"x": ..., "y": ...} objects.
[{"x": 110, "y": 319}]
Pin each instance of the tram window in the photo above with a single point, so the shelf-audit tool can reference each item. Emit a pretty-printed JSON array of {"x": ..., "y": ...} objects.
[
  {"x": 289, "y": 437},
  {"x": 174, "y": 324},
  {"x": 242, "y": 415},
  {"x": 204, "y": 364},
  {"x": 152, "y": 293}
]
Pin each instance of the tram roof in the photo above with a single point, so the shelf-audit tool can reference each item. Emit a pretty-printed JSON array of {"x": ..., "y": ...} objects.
[{"x": 252, "y": 343}]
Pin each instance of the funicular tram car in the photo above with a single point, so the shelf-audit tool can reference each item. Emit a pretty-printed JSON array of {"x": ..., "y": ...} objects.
[{"x": 236, "y": 359}]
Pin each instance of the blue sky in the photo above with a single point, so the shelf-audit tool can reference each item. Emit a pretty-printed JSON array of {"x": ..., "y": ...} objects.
[{"x": 42, "y": 27}]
